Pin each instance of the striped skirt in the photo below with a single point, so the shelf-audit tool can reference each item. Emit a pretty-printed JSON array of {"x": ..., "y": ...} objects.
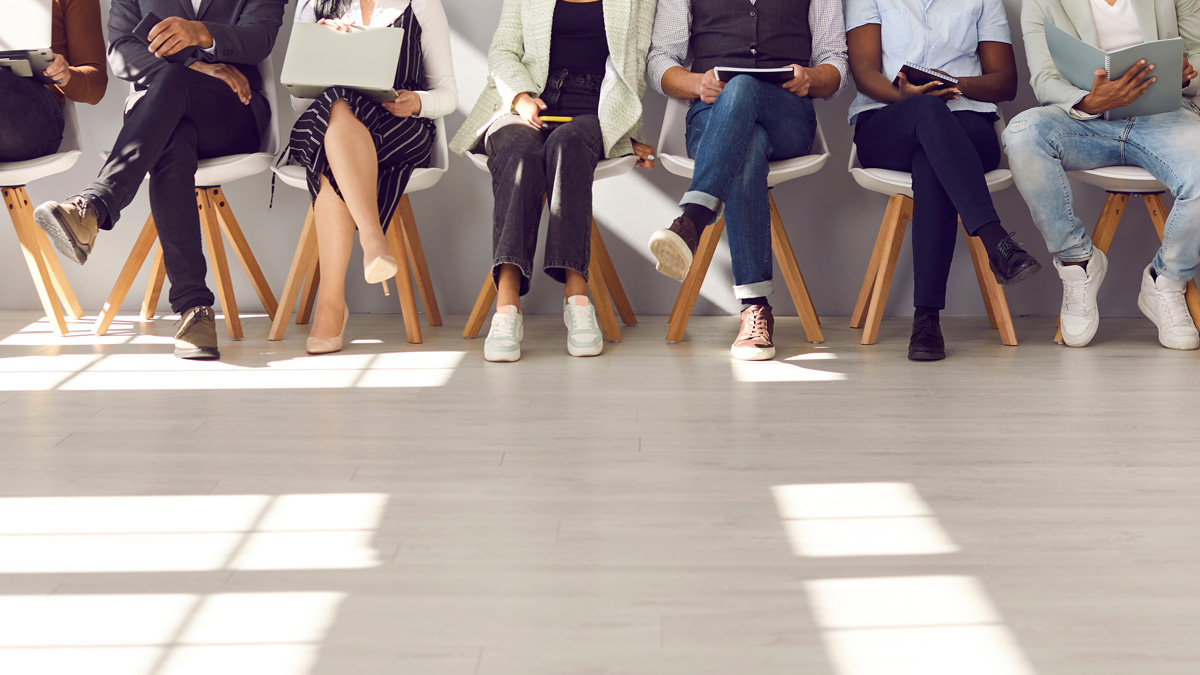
[{"x": 401, "y": 145}]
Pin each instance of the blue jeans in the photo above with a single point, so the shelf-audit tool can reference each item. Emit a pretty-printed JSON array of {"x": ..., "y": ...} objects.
[
  {"x": 750, "y": 124},
  {"x": 1045, "y": 143}
]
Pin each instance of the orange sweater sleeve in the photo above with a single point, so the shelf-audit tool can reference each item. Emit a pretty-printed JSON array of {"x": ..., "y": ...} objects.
[{"x": 76, "y": 34}]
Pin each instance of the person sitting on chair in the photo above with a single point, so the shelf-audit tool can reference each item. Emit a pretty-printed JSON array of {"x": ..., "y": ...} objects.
[
  {"x": 944, "y": 135},
  {"x": 31, "y": 115},
  {"x": 198, "y": 94},
  {"x": 359, "y": 154},
  {"x": 736, "y": 128},
  {"x": 555, "y": 58},
  {"x": 1068, "y": 133}
]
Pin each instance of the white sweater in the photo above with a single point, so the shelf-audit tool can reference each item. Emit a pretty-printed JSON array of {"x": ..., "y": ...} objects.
[{"x": 441, "y": 98}]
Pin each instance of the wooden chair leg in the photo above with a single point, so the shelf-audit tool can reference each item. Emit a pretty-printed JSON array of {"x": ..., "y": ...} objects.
[
  {"x": 616, "y": 291},
  {"x": 141, "y": 248},
  {"x": 690, "y": 290},
  {"x": 241, "y": 248},
  {"x": 859, "y": 317},
  {"x": 993, "y": 293},
  {"x": 62, "y": 287},
  {"x": 896, "y": 219},
  {"x": 158, "y": 273},
  {"x": 483, "y": 304},
  {"x": 302, "y": 260},
  {"x": 598, "y": 285},
  {"x": 1106, "y": 227},
  {"x": 220, "y": 264},
  {"x": 404, "y": 286},
  {"x": 312, "y": 282},
  {"x": 35, "y": 259},
  {"x": 1158, "y": 215},
  {"x": 786, "y": 257},
  {"x": 416, "y": 255}
]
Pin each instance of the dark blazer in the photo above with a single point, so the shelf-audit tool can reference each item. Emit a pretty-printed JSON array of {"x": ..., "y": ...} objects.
[{"x": 243, "y": 33}]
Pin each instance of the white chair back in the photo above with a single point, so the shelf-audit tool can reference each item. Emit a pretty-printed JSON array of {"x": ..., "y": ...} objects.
[{"x": 15, "y": 174}]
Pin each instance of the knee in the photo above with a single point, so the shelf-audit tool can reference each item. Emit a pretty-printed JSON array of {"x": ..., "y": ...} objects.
[
  {"x": 170, "y": 82},
  {"x": 1027, "y": 134},
  {"x": 739, "y": 90},
  {"x": 572, "y": 140},
  {"x": 340, "y": 114}
]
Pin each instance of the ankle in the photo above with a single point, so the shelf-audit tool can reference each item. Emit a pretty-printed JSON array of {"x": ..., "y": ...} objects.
[
  {"x": 921, "y": 312},
  {"x": 992, "y": 234}
]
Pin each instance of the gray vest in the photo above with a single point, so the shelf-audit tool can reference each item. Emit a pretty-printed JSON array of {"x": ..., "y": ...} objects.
[{"x": 741, "y": 34}]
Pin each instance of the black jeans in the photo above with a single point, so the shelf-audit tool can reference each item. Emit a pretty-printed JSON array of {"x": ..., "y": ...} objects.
[
  {"x": 528, "y": 164},
  {"x": 183, "y": 117},
  {"x": 31, "y": 119},
  {"x": 947, "y": 153}
]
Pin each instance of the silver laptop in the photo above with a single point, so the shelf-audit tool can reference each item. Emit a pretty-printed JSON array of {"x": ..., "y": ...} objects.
[
  {"x": 25, "y": 38},
  {"x": 365, "y": 59}
]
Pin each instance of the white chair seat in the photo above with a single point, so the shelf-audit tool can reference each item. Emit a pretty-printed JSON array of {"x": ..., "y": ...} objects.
[
  {"x": 607, "y": 168},
  {"x": 1124, "y": 179},
  {"x": 14, "y": 174},
  {"x": 888, "y": 182}
]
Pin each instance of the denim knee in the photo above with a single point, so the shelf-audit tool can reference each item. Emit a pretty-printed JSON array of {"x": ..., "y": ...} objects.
[
  {"x": 1028, "y": 134},
  {"x": 740, "y": 90}
]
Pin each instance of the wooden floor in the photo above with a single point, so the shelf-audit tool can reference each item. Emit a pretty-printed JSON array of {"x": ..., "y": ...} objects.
[{"x": 657, "y": 510}]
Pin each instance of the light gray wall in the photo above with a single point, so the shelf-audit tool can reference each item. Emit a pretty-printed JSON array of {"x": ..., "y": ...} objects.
[{"x": 832, "y": 222}]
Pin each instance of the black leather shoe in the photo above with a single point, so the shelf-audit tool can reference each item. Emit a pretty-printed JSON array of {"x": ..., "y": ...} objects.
[
  {"x": 1010, "y": 263},
  {"x": 926, "y": 343}
]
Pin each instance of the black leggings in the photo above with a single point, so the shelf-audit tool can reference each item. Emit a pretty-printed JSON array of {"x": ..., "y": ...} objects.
[{"x": 947, "y": 153}]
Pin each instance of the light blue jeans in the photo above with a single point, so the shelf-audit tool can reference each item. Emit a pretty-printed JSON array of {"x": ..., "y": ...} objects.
[{"x": 1045, "y": 143}]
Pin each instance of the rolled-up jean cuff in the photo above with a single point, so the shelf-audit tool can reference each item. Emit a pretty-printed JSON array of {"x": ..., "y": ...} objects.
[
  {"x": 520, "y": 264},
  {"x": 759, "y": 289},
  {"x": 1077, "y": 254},
  {"x": 702, "y": 198},
  {"x": 554, "y": 269}
]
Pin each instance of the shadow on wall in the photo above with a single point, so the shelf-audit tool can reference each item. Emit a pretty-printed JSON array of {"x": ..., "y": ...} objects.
[{"x": 832, "y": 222}]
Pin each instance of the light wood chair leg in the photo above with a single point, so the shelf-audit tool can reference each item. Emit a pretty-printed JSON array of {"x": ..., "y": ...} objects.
[
  {"x": 141, "y": 248},
  {"x": 241, "y": 248},
  {"x": 896, "y": 219},
  {"x": 994, "y": 298},
  {"x": 1158, "y": 215},
  {"x": 690, "y": 290},
  {"x": 483, "y": 304},
  {"x": 404, "y": 287},
  {"x": 1106, "y": 227},
  {"x": 312, "y": 282},
  {"x": 302, "y": 260},
  {"x": 220, "y": 264},
  {"x": 859, "y": 317},
  {"x": 35, "y": 259},
  {"x": 786, "y": 257},
  {"x": 598, "y": 285},
  {"x": 62, "y": 287},
  {"x": 616, "y": 291},
  {"x": 158, "y": 273},
  {"x": 416, "y": 255}
]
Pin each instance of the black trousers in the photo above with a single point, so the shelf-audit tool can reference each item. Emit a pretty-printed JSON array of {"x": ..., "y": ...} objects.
[
  {"x": 183, "y": 117},
  {"x": 31, "y": 119},
  {"x": 947, "y": 153}
]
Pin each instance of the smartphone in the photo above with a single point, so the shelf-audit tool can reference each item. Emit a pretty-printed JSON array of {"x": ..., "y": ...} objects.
[
  {"x": 557, "y": 120},
  {"x": 142, "y": 30}
]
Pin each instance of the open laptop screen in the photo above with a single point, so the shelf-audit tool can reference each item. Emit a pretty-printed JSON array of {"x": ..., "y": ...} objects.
[{"x": 25, "y": 25}]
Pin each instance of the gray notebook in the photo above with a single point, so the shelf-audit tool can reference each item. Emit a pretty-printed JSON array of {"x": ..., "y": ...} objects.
[{"x": 1078, "y": 62}]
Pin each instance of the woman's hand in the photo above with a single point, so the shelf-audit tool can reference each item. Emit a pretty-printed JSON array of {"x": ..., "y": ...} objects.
[
  {"x": 407, "y": 104},
  {"x": 530, "y": 110},
  {"x": 337, "y": 24},
  {"x": 645, "y": 155},
  {"x": 909, "y": 90},
  {"x": 60, "y": 70},
  {"x": 229, "y": 75}
]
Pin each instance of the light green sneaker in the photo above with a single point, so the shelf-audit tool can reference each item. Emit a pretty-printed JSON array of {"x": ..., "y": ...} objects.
[
  {"x": 503, "y": 341},
  {"x": 584, "y": 337}
]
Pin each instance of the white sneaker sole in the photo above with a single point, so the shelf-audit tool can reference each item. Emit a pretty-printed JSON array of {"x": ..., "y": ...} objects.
[
  {"x": 501, "y": 357},
  {"x": 1085, "y": 339},
  {"x": 752, "y": 353},
  {"x": 1187, "y": 344},
  {"x": 585, "y": 351},
  {"x": 672, "y": 253}
]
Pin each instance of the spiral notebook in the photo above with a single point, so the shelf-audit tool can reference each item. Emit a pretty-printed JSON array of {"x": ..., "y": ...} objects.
[{"x": 1078, "y": 62}]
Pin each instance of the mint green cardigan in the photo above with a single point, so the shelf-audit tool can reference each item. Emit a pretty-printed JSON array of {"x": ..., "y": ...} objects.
[{"x": 519, "y": 62}]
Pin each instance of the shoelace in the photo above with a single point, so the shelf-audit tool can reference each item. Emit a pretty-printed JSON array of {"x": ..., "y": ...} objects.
[
  {"x": 194, "y": 316},
  {"x": 581, "y": 318},
  {"x": 1176, "y": 307},
  {"x": 505, "y": 327},
  {"x": 1075, "y": 295},
  {"x": 82, "y": 204},
  {"x": 924, "y": 324},
  {"x": 1006, "y": 246},
  {"x": 757, "y": 330}
]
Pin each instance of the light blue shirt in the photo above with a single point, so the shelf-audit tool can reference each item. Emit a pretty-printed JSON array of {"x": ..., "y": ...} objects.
[{"x": 941, "y": 34}]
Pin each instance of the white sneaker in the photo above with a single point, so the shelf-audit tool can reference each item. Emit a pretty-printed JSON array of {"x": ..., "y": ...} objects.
[
  {"x": 1080, "y": 317},
  {"x": 584, "y": 337},
  {"x": 503, "y": 341},
  {"x": 1163, "y": 302}
]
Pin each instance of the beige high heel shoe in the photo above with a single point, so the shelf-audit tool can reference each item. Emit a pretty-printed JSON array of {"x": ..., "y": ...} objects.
[
  {"x": 320, "y": 345},
  {"x": 379, "y": 270}
]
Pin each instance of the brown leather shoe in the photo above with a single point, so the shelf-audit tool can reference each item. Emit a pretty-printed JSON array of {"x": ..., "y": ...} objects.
[
  {"x": 197, "y": 337},
  {"x": 755, "y": 338},
  {"x": 674, "y": 247},
  {"x": 71, "y": 225}
]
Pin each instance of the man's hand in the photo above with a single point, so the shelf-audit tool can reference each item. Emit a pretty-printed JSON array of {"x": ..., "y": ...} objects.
[
  {"x": 407, "y": 104},
  {"x": 174, "y": 34},
  {"x": 530, "y": 110},
  {"x": 59, "y": 70},
  {"x": 229, "y": 75},
  {"x": 800, "y": 82},
  {"x": 337, "y": 24},
  {"x": 1189, "y": 73},
  {"x": 708, "y": 87},
  {"x": 1111, "y": 94},
  {"x": 645, "y": 155},
  {"x": 909, "y": 90}
]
